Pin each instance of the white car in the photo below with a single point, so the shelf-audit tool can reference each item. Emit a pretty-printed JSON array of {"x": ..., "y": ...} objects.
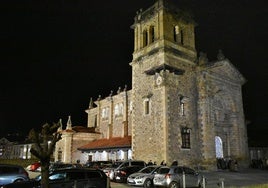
[{"x": 144, "y": 177}]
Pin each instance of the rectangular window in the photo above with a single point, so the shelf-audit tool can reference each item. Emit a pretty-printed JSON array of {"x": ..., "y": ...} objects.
[
  {"x": 95, "y": 121},
  {"x": 105, "y": 113},
  {"x": 146, "y": 107},
  {"x": 60, "y": 155},
  {"x": 119, "y": 109},
  {"x": 182, "y": 109},
  {"x": 185, "y": 136}
]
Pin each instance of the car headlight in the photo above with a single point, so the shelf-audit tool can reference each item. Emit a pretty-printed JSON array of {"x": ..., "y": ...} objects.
[{"x": 139, "y": 177}]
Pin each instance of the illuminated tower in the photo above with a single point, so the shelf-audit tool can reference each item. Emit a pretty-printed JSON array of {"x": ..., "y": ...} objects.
[
  {"x": 184, "y": 108},
  {"x": 163, "y": 83}
]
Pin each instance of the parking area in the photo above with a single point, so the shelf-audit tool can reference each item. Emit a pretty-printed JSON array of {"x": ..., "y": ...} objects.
[{"x": 242, "y": 178}]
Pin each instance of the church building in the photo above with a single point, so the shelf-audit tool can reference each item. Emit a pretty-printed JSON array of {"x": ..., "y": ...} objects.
[{"x": 181, "y": 105}]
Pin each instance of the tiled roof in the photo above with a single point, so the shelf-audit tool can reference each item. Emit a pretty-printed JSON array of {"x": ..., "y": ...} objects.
[
  {"x": 116, "y": 142},
  {"x": 84, "y": 129},
  {"x": 80, "y": 129}
]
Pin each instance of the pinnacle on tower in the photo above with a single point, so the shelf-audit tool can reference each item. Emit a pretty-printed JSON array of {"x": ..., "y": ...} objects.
[
  {"x": 69, "y": 123},
  {"x": 60, "y": 127},
  {"x": 90, "y": 103}
]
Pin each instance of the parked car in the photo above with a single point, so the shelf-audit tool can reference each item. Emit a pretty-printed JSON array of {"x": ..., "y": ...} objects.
[
  {"x": 110, "y": 171},
  {"x": 144, "y": 177},
  {"x": 122, "y": 174},
  {"x": 172, "y": 177},
  {"x": 98, "y": 164},
  {"x": 36, "y": 166},
  {"x": 12, "y": 173},
  {"x": 57, "y": 165},
  {"x": 69, "y": 178}
]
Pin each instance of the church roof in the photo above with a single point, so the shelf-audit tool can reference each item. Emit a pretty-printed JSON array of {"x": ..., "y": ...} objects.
[
  {"x": 84, "y": 129},
  {"x": 116, "y": 142},
  {"x": 80, "y": 129}
]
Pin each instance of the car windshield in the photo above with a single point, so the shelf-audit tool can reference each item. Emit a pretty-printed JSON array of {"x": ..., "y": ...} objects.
[
  {"x": 116, "y": 164},
  {"x": 57, "y": 176},
  {"x": 163, "y": 170},
  {"x": 148, "y": 169},
  {"x": 9, "y": 170}
]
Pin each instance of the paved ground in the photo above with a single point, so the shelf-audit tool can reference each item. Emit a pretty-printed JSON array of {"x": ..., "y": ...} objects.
[
  {"x": 241, "y": 178},
  {"x": 238, "y": 179}
]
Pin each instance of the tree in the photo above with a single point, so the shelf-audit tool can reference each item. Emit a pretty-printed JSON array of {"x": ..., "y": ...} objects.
[{"x": 43, "y": 146}]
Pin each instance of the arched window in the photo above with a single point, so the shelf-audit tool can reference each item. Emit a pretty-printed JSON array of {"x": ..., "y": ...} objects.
[
  {"x": 105, "y": 113},
  {"x": 182, "y": 36},
  {"x": 121, "y": 108},
  {"x": 151, "y": 34},
  {"x": 95, "y": 121},
  {"x": 185, "y": 136},
  {"x": 118, "y": 109},
  {"x": 219, "y": 147},
  {"x": 145, "y": 38},
  {"x": 182, "y": 101},
  {"x": 178, "y": 35},
  {"x": 59, "y": 155}
]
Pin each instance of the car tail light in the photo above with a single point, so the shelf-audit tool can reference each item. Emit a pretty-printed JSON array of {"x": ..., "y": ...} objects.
[
  {"x": 123, "y": 172},
  {"x": 167, "y": 176}
]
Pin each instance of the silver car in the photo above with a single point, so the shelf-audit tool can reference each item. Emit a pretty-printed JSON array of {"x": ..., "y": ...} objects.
[
  {"x": 12, "y": 173},
  {"x": 172, "y": 177},
  {"x": 144, "y": 177}
]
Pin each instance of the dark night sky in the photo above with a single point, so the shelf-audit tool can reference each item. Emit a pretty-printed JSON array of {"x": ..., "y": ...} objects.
[{"x": 55, "y": 55}]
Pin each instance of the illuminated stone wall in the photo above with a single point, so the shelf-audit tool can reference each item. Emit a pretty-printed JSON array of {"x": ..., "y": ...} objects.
[{"x": 173, "y": 90}]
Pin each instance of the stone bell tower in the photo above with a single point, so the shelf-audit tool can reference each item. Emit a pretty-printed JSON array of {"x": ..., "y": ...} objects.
[{"x": 163, "y": 85}]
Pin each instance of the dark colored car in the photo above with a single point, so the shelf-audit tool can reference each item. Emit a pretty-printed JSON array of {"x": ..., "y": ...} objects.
[
  {"x": 12, "y": 173},
  {"x": 56, "y": 166},
  {"x": 122, "y": 174},
  {"x": 98, "y": 164},
  {"x": 111, "y": 171},
  {"x": 69, "y": 178}
]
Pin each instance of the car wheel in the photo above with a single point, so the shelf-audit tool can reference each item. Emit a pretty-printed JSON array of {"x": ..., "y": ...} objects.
[
  {"x": 200, "y": 185},
  {"x": 18, "y": 180},
  {"x": 148, "y": 183},
  {"x": 174, "y": 185}
]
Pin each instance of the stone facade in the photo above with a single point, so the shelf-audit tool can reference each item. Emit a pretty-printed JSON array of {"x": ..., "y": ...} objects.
[
  {"x": 181, "y": 107},
  {"x": 184, "y": 93}
]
